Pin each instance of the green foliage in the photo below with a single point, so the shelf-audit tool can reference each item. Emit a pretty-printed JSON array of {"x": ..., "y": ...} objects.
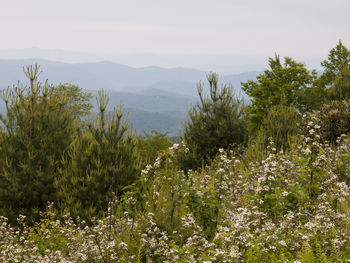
[
  {"x": 47, "y": 234},
  {"x": 255, "y": 254},
  {"x": 49, "y": 151},
  {"x": 290, "y": 81},
  {"x": 102, "y": 161},
  {"x": 228, "y": 212},
  {"x": 38, "y": 129},
  {"x": 336, "y": 75},
  {"x": 78, "y": 101},
  {"x": 151, "y": 144},
  {"x": 340, "y": 90},
  {"x": 217, "y": 121},
  {"x": 332, "y": 118},
  {"x": 280, "y": 125},
  {"x": 338, "y": 59},
  {"x": 263, "y": 205},
  {"x": 307, "y": 255}
]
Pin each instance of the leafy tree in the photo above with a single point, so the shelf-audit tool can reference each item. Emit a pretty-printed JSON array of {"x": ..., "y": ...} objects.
[
  {"x": 338, "y": 59},
  {"x": 37, "y": 130},
  {"x": 103, "y": 160},
  {"x": 290, "y": 81},
  {"x": 340, "y": 90},
  {"x": 78, "y": 101},
  {"x": 217, "y": 121}
]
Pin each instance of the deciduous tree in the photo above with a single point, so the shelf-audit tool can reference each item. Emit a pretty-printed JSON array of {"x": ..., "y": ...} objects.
[{"x": 289, "y": 80}]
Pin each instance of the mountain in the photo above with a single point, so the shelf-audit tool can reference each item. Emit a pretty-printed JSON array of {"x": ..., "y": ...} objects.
[
  {"x": 220, "y": 63},
  {"x": 156, "y": 97},
  {"x": 147, "y": 121},
  {"x": 153, "y": 100},
  {"x": 98, "y": 75},
  {"x": 112, "y": 76}
]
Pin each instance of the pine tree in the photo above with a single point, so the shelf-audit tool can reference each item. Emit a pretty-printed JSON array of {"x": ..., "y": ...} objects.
[
  {"x": 37, "y": 130},
  {"x": 102, "y": 162},
  {"x": 217, "y": 121}
]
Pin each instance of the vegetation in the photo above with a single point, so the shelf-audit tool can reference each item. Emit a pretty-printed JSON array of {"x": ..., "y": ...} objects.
[
  {"x": 290, "y": 82},
  {"x": 289, "y": 207},
  {"x": 279, "y": 126},
  {"x": 85, "y": 188},
  {"x": 150, "y": 145},
  {"x": 338, "y": 59},
  {"x": 37, "y": 131},
  {"x": 101, "y": 163},
  {"x": 217, "y": 121}
]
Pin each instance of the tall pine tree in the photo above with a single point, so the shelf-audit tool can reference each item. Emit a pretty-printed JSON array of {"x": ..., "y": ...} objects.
[
  {"x": 36, "y": 132},
  {"x": 217, "y": 121},
  {"x": 102, "y": 161}
]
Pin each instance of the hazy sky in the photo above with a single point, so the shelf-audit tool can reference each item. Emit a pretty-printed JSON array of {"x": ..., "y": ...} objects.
[{"x": 297, "y": 28}]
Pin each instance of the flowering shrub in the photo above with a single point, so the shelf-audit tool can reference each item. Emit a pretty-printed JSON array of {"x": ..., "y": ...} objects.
[
  {"x": 333, "y": 119},
  {"x": 290, "y": 207}
]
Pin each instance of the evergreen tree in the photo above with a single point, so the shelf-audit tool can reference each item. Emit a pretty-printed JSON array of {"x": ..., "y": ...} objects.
[
  {"x": 101, "y": 163},
  {"x": 217, "y": 121},
  {"x": 37, "y": 130},
  {"x": 335, "y": 65}
]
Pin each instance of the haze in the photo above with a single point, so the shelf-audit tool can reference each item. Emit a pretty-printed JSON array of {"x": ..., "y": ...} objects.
[{"x": 236, "y": 35}]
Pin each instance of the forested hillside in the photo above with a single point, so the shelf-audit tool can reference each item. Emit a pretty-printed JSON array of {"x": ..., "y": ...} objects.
[{"x": 267, "y": 181}]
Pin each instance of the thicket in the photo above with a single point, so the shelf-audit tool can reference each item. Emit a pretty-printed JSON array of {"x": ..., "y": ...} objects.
[
  {"x": 290, "y": 207},
  {"x": 267, "y": 182}
]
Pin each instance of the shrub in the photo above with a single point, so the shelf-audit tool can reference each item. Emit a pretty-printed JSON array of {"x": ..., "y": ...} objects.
[{"x": 332, "y": 118}]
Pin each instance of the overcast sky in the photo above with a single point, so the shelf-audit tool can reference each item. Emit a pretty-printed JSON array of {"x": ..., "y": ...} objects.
[{"x": 298, "y": 28}]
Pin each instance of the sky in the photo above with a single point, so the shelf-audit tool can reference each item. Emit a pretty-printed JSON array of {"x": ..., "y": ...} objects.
[{"x": 192, "y": 32}]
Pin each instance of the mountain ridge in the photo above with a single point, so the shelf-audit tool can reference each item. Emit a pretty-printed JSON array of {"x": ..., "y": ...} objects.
[{"x": 167, "y": 91}]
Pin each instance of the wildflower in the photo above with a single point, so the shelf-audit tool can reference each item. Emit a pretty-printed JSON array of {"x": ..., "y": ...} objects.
[{"x": 282, "y": 243}]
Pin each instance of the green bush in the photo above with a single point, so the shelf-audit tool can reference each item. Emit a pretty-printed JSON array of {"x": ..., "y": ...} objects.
[
  {"x": 280, "y": 125},
  {"x": 333, "y": 120},
  {"x": 150, "y": 145}
]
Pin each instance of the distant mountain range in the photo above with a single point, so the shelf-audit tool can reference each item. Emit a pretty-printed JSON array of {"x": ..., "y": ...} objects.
[
  {"x": 221, "y": 63},
  {"x": 156, "y": 98}
]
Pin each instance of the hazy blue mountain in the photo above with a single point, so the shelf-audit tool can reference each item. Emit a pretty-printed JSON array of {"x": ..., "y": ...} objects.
[
  {"x": 156, "y": 97},
  {"x": 150, "y": 100},
  {"x": 147, "y": 121},
  {"x": 113, "y": 76},
  {"x": 97, "y": 75},
  {"x": 223, "y": 64}
]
